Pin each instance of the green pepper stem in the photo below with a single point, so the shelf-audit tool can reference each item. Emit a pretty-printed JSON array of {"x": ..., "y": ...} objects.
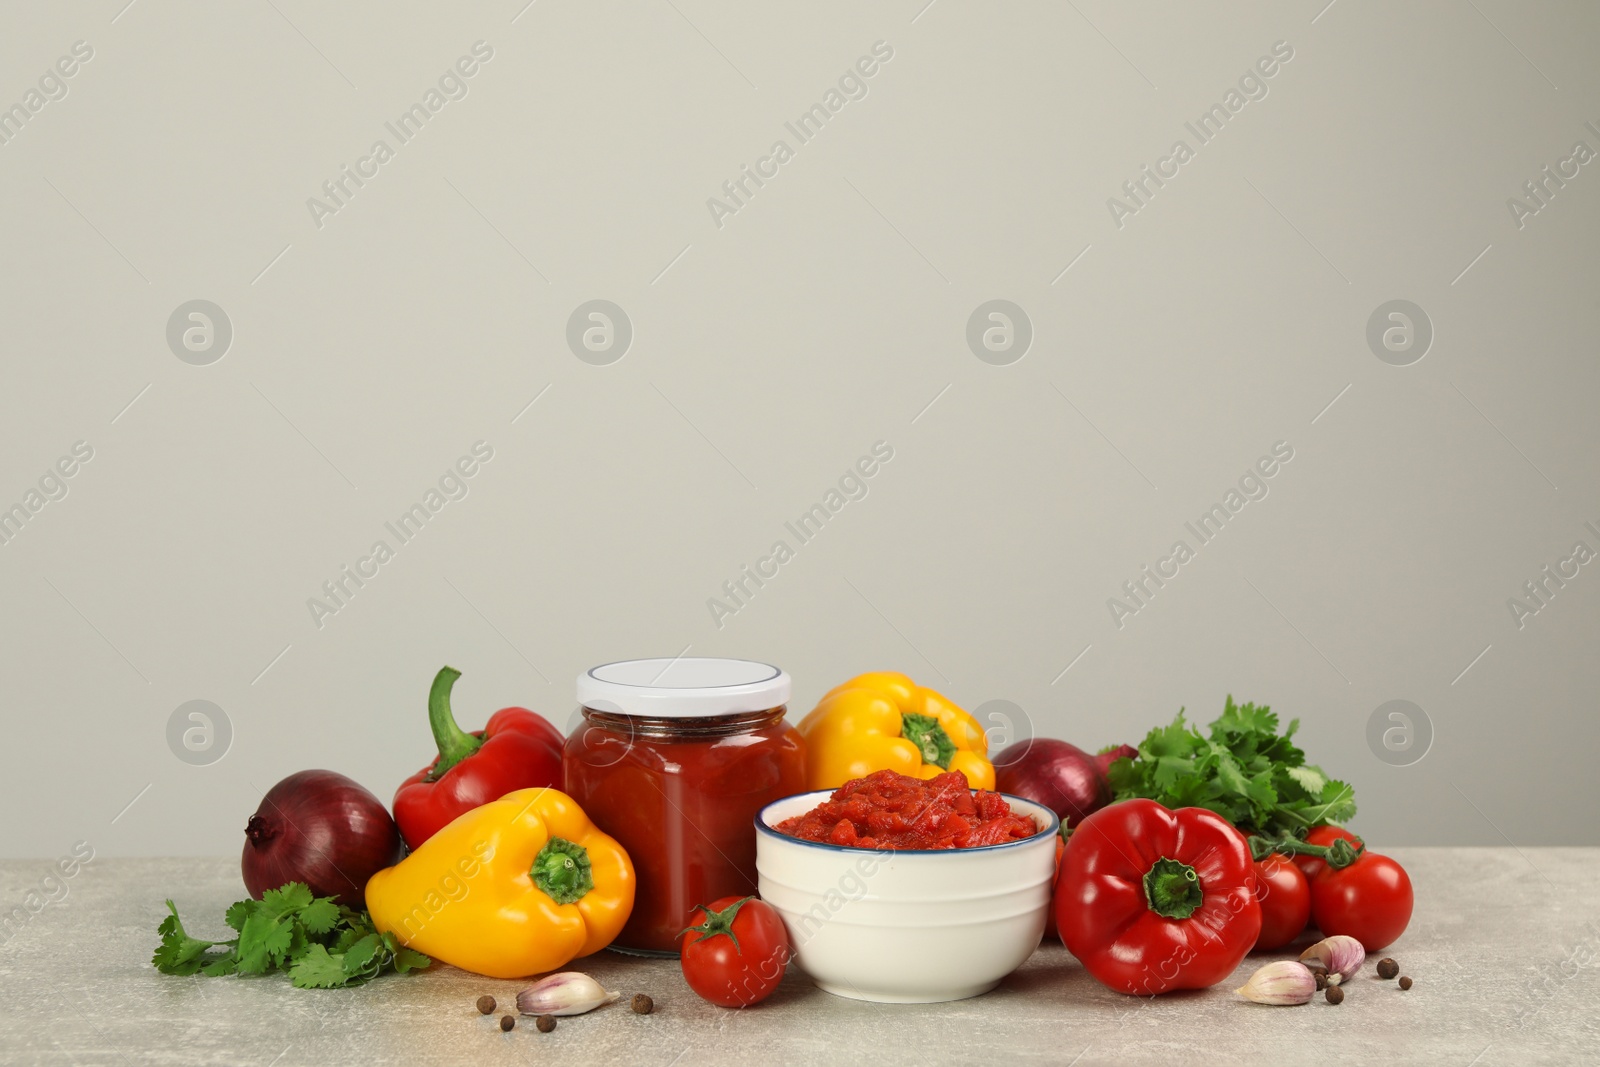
[
  {"x": 925, "y": 732},
  {"x": 562, "y": 869},
  {"x": 1172, "y": 889},
  {"x": 455, "y": 744}
]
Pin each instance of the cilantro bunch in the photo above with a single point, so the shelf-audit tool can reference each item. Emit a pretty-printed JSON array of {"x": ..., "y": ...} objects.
[
  {"x": 321, "y": 944},
  {"x": 1244, "y": 771}
]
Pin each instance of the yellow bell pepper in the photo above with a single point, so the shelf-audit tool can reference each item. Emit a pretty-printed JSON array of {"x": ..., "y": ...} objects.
[
  {"x": 885, "y": 720},
  {"x": 515, "y": 887}
]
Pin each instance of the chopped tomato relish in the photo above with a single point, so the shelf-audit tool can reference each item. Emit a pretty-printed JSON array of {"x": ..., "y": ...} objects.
[{"x": 887, "y": 810}]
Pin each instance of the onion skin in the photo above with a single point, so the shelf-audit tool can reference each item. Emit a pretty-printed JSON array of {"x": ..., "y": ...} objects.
[
  {"x": 1057, "y": 774},
  {"x": 323, "y": 829}
]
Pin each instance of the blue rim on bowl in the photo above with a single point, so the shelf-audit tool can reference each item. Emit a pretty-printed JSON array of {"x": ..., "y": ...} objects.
[{"x": 762, "y": 827}]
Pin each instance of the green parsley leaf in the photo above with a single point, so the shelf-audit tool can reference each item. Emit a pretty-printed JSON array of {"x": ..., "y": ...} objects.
[
  {"x": 1261, "y": 792},
  {"x": 179, "y": 953},
  {"x": 358, "y": 955},
  {"x": 348, "y": 936},
  {"x": 1175, "y": 739},
  {"x": 320, "y": 916},
  {"x": 1229, "y": 776},
  {"x": 1170, "y": 769},
  {"x": 316, "y": 969},
  {"x": 288, "y": 930},
  {"x": 1243, "y": 769},
  {"x": 287, "y": 898},
  {"x": 264, "y": 942},
  {"x": 220, "y": 966},
  {"x": 407, "y": 960},
  {"x": 1245, "y": 719},
  {"x": 239, "y": 911},
  {"x": 1310, "y": 780}
]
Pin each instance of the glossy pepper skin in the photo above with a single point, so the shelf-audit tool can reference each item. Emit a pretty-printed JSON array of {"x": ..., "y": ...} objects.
[
  {"x": 518, "y": 886},
  {"x": 884, "y": 721},
  {"x": 517, "y": 749},
  {"x": 1151, "y": 900}
]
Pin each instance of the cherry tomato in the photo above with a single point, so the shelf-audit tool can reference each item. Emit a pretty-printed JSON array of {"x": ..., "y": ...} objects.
[
  {"x": 736, "y": 954},
  {"x": 1285, "y": 898},
  {"x": 1322, "y": 835},
  {"x": 1370, "y": 900}
]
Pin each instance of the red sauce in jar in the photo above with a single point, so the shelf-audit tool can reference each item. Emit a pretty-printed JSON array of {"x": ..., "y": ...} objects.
[
  {"x": 888, "y": 810},
  {"x": 681, "y": 795}
]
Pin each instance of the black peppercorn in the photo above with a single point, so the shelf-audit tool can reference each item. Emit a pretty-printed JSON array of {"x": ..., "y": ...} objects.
[
  {"x": 545, "y": 1023},
  {"x": 486, "y": 1005},
  {"x": 1387, "y": 968},
  {"x": 507, "y": 1022},
  {"x": 642, "y": 1004},
  {"x": 1405, "y": 982},
  {"x": 1334, "y": 994}
]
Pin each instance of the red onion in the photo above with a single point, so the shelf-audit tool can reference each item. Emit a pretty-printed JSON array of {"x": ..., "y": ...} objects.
[
  {"x": 322, "y": 829},
  {"x": 1061, "y": 776}
]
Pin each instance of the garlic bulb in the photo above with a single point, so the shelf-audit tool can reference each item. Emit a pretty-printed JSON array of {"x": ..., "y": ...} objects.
[
  {"x": 1340, "y": 954},
  {"x": 1283, "y": 982},
  {"x": 567, "y": 993}
]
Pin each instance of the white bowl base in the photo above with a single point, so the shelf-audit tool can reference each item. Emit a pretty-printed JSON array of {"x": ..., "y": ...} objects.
[{"x": 880, "y": 997}]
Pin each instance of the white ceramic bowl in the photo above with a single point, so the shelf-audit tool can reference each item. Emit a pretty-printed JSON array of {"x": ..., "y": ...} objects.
[{"x": 907, "y": 926}]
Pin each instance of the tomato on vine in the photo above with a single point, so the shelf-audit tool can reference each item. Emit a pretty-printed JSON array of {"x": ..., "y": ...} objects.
[
  {"x": 1370, "y": 900},
  {"x": 1323, "y": 836},
  {"x": 1285, "y": 898},
  {"x": 1353, "y": 891}
]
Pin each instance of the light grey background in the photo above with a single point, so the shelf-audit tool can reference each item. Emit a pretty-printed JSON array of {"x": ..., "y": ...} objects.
[{"x": 768, "y": 354}]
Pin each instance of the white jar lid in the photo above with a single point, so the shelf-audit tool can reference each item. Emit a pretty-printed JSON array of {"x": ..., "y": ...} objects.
[{"x": 685, "y": 688}]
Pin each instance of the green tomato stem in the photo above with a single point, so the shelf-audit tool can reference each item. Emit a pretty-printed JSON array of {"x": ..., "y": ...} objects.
[
  {"x": 1338, "y": 855},
  {"x": 720, "y": 922}
]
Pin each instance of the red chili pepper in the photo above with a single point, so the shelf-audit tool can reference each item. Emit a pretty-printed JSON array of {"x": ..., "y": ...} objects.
[
  {"x": 516, "y": 749},
  {"x": 1150, "y": 899}
]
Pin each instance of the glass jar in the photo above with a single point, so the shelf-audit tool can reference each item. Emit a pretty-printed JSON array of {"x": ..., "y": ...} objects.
[{"x": 674, "y": 758}]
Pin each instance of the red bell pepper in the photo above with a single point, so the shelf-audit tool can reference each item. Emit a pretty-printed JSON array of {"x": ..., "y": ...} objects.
[
  {"x": 517, "y": 749},
  {"x": 1150, "y": 899}
]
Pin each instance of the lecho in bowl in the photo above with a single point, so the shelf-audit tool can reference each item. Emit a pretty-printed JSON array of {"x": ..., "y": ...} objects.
[{"x": 907, "y": 926}]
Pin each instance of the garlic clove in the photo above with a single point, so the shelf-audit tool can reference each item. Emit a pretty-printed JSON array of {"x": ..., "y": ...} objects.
[
  {"x": 1340, "y": 954},
  {"x": 1283, "y": 982},
  {"x": 567, "y": 993}
]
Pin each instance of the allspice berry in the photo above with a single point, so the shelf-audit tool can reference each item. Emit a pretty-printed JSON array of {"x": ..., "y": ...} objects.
[
  {"x": 1334, "y": 994},
  {"x": 1387, "y": 968},
  {"x": 486, "y": 1005},
  {"x": 642, "y": 1004},
  {"x": 1405, "y": 982},
  {"x": 545, "y": 1023},
  {"x": 507, "y": 1022}
]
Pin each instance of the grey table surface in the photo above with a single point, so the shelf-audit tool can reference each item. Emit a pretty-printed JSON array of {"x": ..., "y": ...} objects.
[{"x": 1503, "y": 948}]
